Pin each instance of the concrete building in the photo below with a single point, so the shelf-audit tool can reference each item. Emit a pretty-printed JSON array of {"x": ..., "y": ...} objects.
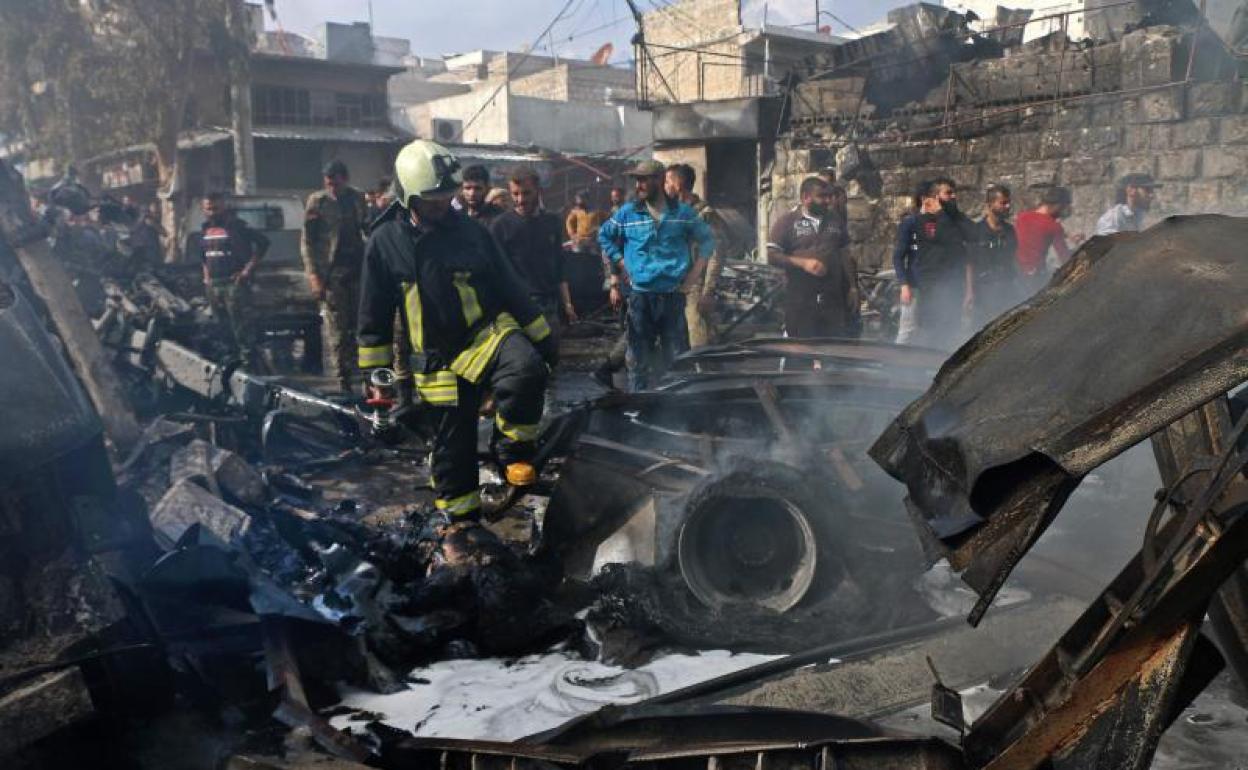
[
  {"x": 311, "y": 101},
  {"x": 510, "y": 99},
  {"x": 700, "y": 50},
  {"x": 715, "y": 87}
]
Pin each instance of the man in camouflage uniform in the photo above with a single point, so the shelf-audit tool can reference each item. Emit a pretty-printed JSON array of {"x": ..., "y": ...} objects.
[
  {"x": 334, "y": 227},
  {"x": 700, "y": 303}
]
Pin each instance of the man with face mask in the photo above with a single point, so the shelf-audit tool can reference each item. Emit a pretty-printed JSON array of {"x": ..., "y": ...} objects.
[
  {"x": 808, "y": 242},
  {"x": 469, "y": 313},
  {"x": 933, "y": 267}
]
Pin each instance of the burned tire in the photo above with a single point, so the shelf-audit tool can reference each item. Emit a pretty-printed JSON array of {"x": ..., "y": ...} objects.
[{"x": 761, "y": 536}]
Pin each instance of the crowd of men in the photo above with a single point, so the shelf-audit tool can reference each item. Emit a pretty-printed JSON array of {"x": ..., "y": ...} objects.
[
  {"x": 956, "y": 274},
  {"x": 462, "y": 288}
]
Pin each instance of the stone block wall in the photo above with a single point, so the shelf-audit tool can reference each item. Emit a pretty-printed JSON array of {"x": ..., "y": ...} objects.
[{"x": 1193, "y": 139}]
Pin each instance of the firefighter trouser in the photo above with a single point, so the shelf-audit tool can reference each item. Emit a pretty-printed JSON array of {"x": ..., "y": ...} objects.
[
  {"x": 517, "y": 378},
  {"x": 231, "y": 305},
  {"x": 341, "y": 307}
]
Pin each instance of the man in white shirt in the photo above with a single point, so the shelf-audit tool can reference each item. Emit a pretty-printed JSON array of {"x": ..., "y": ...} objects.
[{"x": 1135, "y": 198}]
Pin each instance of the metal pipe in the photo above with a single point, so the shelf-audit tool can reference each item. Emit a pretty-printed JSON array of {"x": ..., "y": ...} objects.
[
  {"x": 1191, "y": 54},
  {"x": 1042, "y": 103}
]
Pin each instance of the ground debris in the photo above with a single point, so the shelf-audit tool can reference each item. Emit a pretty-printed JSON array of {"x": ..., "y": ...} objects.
[
  {"x": 186, "y": 505},
  {"x": 220, "y": 470}
]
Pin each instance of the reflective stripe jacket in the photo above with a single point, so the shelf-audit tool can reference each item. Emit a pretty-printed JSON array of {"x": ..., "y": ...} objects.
[{"x": 459, "y": 296}]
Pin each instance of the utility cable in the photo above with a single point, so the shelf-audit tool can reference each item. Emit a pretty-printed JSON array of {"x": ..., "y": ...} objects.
[{"x": 508, "y": 69}]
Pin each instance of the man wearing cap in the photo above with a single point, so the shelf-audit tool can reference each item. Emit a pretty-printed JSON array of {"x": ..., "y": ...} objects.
[
  {"x": 335, "y": 222},
  {"x": 663, "y": 245},
  {"x": 469, "y": 316},
  {"x": 1135, "y": 198}
]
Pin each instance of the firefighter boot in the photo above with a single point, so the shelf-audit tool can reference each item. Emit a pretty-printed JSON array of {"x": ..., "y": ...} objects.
[{"x": 521, "y": 474}]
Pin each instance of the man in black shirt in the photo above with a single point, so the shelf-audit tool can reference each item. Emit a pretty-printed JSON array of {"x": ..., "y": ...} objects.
[
  {"x": 993, "y": 249},
  {"x": 933, "y": 266},
  {"x": 230, "y": 251},
  {"x": 533, "y": 240},
  {"x": 809, "y": 242}
]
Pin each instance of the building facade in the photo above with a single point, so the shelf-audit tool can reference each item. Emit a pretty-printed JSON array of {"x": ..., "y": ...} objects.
[{"x": 510, "y": 99}]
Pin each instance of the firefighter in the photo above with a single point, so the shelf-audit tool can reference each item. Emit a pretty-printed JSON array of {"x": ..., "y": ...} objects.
[
  {"x": 468, "y": 312},
  {"x": 332, "y": 246}
]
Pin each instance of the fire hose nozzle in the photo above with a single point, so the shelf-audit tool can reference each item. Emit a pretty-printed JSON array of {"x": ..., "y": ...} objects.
[{"x": 383, "y": 378}]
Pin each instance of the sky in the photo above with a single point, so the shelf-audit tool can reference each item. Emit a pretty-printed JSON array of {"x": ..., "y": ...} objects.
[{"x": 438, "y": 27}]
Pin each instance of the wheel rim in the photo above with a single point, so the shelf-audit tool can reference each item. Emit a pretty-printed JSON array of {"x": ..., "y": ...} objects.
[{"x": 759, "y": 550}]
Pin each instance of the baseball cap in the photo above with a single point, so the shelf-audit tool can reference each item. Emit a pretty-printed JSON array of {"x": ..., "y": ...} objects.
[{"x": 647, "y": 168}]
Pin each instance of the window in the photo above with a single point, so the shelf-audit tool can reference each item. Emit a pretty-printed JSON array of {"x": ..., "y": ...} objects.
[
  {"x": 281, "y": 106},
  {"x": 278, "y": 106}
]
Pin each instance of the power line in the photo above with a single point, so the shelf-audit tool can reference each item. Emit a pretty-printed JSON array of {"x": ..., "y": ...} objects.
[
  {"x": 583, "y": 32},
  {"x": 840, "y": 21},
  {"x": 507, "y": 70}
]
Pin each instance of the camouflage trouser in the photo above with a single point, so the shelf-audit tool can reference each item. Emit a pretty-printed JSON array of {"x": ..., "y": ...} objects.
[
  {"x": 701, "y": 325},
  {"x": 231, "y": 306},
  {"x": 341, "y": 307}
]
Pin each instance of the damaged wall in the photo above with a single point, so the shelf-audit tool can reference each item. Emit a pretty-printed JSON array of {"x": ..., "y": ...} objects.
[{"x": 1123, "y": 119}]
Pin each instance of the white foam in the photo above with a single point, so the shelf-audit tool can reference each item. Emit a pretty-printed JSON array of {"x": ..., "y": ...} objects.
[{"x": 502, "y": 700}]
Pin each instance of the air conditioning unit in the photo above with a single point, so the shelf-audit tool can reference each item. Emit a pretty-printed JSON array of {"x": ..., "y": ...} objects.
[{"x": 445, "y": 130}]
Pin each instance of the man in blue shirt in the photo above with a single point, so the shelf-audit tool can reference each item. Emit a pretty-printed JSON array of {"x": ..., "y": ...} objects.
[{"x": 663, "y": 245}]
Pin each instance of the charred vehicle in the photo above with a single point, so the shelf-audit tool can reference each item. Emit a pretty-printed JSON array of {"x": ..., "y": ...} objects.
[{"x": 744, "y": 480}]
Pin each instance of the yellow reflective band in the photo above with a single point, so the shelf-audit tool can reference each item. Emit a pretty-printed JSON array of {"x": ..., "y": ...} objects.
[
  {"x": 415, "y": 318},
  {"x": 471, "y": 363},
  {"x": 468, "y": 299},
  {"x": 515, "y": 431},
  {"x": 460, "y": 506},
  {"x": 372, "y": 357},
  {"x": 538, "y": 329},
  {"x": 438, "y": 388}
]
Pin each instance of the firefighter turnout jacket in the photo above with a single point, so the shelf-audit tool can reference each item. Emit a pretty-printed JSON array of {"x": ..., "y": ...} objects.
[
  {"x": 469, "y": 313},
  {"x": 458, "y": 294}
]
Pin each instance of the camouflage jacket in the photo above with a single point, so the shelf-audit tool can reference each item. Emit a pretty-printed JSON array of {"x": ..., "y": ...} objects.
[
  {"x": 715, "y": 263},
  {"x": 322, "y": 226}
]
